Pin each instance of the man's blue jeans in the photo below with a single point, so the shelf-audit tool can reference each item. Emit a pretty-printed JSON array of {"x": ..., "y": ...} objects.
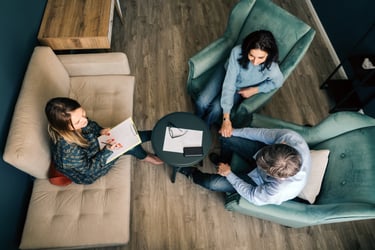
[
  {"x": 241, "y": 146},
  {"x": 207, "y": 104}
]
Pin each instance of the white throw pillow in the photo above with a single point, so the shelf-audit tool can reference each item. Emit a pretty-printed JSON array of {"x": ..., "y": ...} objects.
[{"x": 319, "y": 160}]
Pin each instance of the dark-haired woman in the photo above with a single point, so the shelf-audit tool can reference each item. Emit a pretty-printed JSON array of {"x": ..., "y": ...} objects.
[{"x": 252, "y": 68}]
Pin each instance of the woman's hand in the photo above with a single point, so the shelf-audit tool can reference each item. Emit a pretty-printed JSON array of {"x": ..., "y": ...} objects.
[
  {"x": 224, "y": 169},
  {"x": 226, "y": 128},
  {"x": 248, "y": 92},
  {"x": 105, "y": 131},
  {"x": 114, "y": 146},
  {"x": 111, "y": 144}
]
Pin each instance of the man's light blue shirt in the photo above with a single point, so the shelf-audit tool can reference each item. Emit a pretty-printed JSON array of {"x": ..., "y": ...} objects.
[{"x": 270, "y": 190}]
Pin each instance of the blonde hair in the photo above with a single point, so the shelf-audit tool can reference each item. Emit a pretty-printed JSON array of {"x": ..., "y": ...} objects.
[
  {"x": 59, "y": 121},
  {"x": 72, "y": 136}
]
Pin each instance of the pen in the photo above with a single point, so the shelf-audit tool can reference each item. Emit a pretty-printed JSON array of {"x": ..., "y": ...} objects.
[{"x": 106, "y": 143}]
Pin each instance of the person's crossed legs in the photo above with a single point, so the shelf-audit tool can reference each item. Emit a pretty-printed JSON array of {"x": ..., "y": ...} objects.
[{"x": 243, "y": 147}]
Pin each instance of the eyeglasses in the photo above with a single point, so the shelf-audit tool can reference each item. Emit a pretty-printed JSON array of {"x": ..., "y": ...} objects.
[{"x": 175, "y": 132}]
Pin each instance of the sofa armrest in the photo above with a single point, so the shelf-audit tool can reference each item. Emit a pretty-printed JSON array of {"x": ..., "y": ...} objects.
[
  {"x": 334, "y": 125},
  {"x": 115, "y": 63},
  {"x": 27, "y": 147}
]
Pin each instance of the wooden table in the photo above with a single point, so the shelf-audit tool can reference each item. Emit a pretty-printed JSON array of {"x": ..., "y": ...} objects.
[{"x": 78, "y": 24}]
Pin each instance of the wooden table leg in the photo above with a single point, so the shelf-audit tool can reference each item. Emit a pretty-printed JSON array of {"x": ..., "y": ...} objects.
[{"x": 118, "y": 10}]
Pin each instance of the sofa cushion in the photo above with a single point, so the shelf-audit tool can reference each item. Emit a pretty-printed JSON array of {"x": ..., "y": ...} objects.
[
  {"x": 80, "y": 215},
  {"x": 96, "y": 64},
  {"x": 319, "y": 160},
  {"x": 27, "y": 145},
  {"x": 107, "y": 99}
]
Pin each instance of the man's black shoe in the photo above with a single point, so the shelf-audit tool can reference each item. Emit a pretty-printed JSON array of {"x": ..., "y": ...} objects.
[
  {"x": 187, "y": 171},
  {"x": 214, "y": 158}
]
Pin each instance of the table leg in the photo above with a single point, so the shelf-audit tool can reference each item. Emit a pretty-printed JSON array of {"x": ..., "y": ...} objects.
[
  {"x": 119, "y": 11},
  {"x": 174, "y": 172}
]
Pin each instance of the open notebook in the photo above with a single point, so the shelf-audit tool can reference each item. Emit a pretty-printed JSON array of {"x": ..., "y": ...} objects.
[
  {"x": 176, "y": 139},
  {"x": 124, "y": 133}
]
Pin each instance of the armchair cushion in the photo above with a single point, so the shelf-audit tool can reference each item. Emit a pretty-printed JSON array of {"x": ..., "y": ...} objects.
[{"x": 319, "y": 160}]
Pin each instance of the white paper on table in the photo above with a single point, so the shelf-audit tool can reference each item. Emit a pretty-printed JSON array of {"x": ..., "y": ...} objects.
[{"x": 188, "y": 138}]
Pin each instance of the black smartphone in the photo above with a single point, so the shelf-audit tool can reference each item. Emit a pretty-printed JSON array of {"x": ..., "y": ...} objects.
[{"x": 193, "y": 151}]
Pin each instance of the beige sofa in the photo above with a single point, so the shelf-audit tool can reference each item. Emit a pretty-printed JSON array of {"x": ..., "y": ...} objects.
[{"x": 73, "y": 216}]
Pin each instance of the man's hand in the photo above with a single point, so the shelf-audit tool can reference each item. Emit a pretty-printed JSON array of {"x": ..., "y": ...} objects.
[
  {"x": 224, "y": 169},
  {"x": 226, "y": 128},
  {"x": 248, "y": 92}
]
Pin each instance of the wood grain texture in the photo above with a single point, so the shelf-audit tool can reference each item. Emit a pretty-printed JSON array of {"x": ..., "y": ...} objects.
[
  {"x": 159, "y": 36},
  {"x": 77, "y": 24}
]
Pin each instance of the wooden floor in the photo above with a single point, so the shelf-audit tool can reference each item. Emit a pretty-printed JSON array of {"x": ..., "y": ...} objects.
[{"x": 159, "y": 36}]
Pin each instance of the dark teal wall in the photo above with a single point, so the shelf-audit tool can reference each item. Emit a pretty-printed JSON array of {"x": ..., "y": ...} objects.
[
  {"x": 19, "y": 22},
  {"x": 350, "y": 26}
]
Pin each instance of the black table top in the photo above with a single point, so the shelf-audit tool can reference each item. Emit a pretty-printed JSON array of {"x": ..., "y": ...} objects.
[{"x": 183, "y": 120}]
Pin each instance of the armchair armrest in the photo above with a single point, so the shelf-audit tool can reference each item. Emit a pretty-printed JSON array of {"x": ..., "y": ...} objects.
[
  {"x": 290, "y": 213},
  {"x": 115, "y": 63},
  {"x": 242, "y": 117},
  {"x": 238, "y": 15},
  {"x": 296, "y": 214},
  {"x": 209, "y": 57},
  {"x": 217, "y": 52},
  {"x": 295, "y": 55},
  {"x": 202, "y": 64},
  {"x": 334, "y": 125}
]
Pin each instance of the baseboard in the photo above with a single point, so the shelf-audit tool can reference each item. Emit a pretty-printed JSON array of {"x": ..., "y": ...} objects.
[{"x": 325, "y": 37}]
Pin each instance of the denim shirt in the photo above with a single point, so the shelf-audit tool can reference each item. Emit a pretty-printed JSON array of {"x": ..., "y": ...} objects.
[
  {"x": 270, "y": 190},
  {"x": 237, "y": 78},
  {"x": 82, "y": 165}
]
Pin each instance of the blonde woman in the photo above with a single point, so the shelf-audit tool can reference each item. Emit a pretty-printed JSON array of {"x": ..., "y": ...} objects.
[{"x": 75, "y": 149}]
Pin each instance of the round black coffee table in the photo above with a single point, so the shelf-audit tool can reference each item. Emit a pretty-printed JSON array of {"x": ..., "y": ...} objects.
[{"x": 183, "y": 120}]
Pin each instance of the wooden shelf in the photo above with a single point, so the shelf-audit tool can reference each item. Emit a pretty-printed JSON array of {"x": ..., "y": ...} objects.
[{"x": 77, "y": 24}]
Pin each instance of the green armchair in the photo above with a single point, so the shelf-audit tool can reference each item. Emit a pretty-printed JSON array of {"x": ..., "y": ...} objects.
[
  {"x": 347, "y": 191},
  {"x": 292, "y": 35}
]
